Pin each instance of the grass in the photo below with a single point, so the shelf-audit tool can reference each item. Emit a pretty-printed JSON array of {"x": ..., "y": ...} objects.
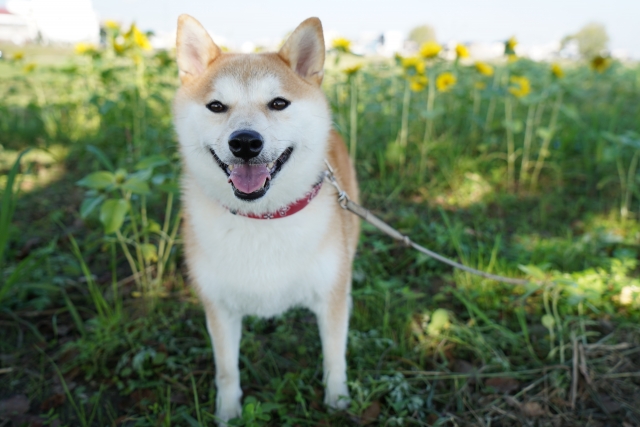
[{"x": 99, "y": 326}]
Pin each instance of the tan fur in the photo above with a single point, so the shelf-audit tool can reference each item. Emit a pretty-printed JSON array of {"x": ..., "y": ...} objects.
[{"x": 298, "y": 67}]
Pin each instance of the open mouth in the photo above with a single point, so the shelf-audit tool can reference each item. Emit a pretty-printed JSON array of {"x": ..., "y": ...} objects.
[{"x": 252, "y": 181}]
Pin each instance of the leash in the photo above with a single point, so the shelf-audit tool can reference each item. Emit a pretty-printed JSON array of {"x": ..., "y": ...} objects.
[{"x": 348, "y": 204}]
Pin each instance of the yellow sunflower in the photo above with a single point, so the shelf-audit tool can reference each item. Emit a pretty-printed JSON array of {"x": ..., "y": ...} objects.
[
  {"x": 341, "y": 44},
  {"x": 352, "y": 70},
  {"x": 84, "y": 48},
  {"x": 445, "y": 81},
  {"x": 138, "y": 38},
  {"x": 111, "y": 25},
  {"x": 520, "y": 86},
  {"x": 29, "y": 68},
  {"x": 462, "y": 51},
  {"x": 430, "y": 49},
  {"x": 600, "y": 63},
  {"x": 412, "y": 65},
  {"x": 17, "y": 56},
  {"x": 557, "y": 71},
  {"x": 510, "y": 46},
  {"x": 484, "y": 68},
  {"x": 418, "y": 83}
]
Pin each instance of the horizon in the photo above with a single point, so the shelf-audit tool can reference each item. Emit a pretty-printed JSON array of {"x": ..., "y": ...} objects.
[{"x": 464, "y": 21}]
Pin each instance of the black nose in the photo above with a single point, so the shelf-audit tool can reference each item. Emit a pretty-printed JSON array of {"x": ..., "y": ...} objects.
[{"x": 245, "y": 144}]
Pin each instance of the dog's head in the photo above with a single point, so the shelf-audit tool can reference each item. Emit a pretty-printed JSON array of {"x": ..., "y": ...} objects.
[{"x": 253, "y": 128}]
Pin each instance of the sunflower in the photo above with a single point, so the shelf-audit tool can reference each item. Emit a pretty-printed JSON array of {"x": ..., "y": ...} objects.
[
  {"x": 430, "y": 49},
  {"x": 84, "y": 48},
  {"x": 520, "y": 86},
  {"x": 17, "y": 56},
  {"x": 138, "y": 38},
  {"x": 445, "y": 81},
  {"x": 510, "y": 46},
  {"x": 600, "y": 63},
  {"x": 412, "y": 65},
  {"x": 119, "y": 47},
  {"x": 418, "y": 83},
  {"x": 111, "y": 25},
  {"x": 462, "y": 51},
  {"x": 341, "y": 45},
  {"x": 349, "y": 71},
  {"x": 29, "y": 68},
  {"x": 484, "y": 68},
  {"x": 557, "y": 71}
]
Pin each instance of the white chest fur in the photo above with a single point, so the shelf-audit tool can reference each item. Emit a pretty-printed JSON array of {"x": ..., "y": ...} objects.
[{"x": 262, "y": 267}]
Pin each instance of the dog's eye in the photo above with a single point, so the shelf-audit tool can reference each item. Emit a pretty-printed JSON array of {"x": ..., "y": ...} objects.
[
  {"x": 279, "y": 104},
  {"x": 217, "y": 107}
]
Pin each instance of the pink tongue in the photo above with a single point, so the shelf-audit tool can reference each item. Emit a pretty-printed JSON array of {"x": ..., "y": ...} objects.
[{"x": 249, "y": 178}]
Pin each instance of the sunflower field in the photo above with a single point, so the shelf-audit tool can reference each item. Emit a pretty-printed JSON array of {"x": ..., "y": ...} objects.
[{"x": 519, "y": 168}]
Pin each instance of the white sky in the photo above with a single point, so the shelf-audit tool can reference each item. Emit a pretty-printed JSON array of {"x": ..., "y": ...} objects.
[{"x": 532, "y": 21}]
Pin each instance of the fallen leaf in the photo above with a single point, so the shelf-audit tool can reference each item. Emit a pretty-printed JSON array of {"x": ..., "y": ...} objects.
[
  {"x": 532, "y": 409},
  {"x": 15, "y": 405},
  {"x": 463, "y": 367},
  {"x": 503, "y": 384},
  {"x": 180, "y": 398},
  {"x": 32, "y": 421},
  {"x": 53, "y": 402},
  {"x": 370, "y": 414},
  {"x": 143, "y": 397},
  {"x": 609, "y": 404}
]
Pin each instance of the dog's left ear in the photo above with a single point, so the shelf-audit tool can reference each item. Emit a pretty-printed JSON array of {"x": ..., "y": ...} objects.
[
  {"x": 195, "y": 50},
  {"x": 304, "y": 51}
]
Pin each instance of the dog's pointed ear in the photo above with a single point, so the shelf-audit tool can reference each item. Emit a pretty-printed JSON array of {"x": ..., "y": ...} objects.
[
  {"x": 304, "y": 51},
  {"x": 195, "y": 49}
]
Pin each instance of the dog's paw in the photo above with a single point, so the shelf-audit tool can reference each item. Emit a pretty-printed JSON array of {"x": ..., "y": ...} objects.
[
  {"x": 337, "y": 397},
  {"x": 228, "y": 407},
  {"x": 228, "y": 412}
]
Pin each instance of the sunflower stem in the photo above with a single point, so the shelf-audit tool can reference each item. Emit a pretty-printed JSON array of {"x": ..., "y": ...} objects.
[
  {"x": 353, "y": 117},
  {"x": 428, "y": 131},
  {"x": 524, "y": 166},
  {"x": 508, "y": 112},
  {"x": 544, "y": 148},
  {"x": 404, "y": 127}
]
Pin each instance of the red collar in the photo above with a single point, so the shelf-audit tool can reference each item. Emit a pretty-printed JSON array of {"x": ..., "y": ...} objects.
[{"x": 288, "y": 210}]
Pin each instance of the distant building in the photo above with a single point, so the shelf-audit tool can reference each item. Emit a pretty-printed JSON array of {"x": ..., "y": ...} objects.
[
  {"x": 50, "y": 21},
  {"x": 14, "y": 28}
]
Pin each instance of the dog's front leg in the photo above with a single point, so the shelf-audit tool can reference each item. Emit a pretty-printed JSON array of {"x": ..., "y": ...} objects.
[
  {"x": 225, "y": 330},
  {"x": 333, "y": 323}
]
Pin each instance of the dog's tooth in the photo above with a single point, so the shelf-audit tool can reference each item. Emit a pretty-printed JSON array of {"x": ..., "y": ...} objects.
[
  {"x": 230, "y": 167},
  {"x": 270, "y": 165}
]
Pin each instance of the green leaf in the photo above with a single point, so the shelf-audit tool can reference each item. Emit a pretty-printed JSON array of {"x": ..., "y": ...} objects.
[
  {"x": 533, "y": 271},
  {"x": 98, "y": 180},
  {"x": 439, "y": 321},
  {"x": 89, "y": 204},
  {"x": 169, "y": 187},
  {"x": 149, "y": 252},
  {"x": 548, "y": 321},
  {"x": 102, "y": 158},
  {"x": 153, "y": 227},
  {"x": 152, "y": 162},
  {"x": 112, "y": 214},
  {"x": 136, "y": 185},
  {"x": 515, "y": 126},
  {"x": 570, "y": 111},
  {"x": 544, "y": 133}
]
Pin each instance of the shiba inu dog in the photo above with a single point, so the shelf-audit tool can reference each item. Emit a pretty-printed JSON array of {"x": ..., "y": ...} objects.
[{"x": 262, "y": 234}]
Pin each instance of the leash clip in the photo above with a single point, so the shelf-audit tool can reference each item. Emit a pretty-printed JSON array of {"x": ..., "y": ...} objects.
[{"x": 343, "y": 197}]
